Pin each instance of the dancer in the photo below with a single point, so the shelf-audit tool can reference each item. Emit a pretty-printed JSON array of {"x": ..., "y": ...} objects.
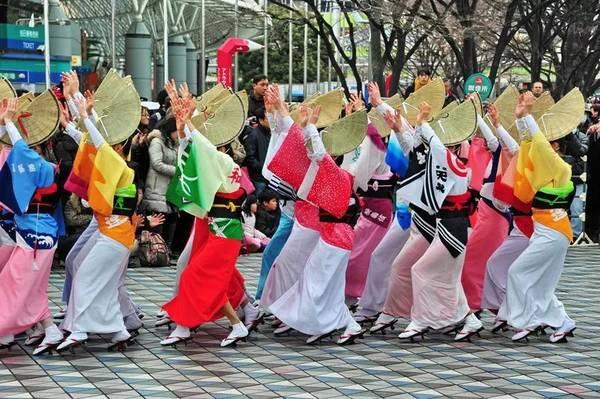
[
  {"x": 94, "y": 299},
  {"x": 543, "y": 179},
  {"x": 209, "y": 181},
  {"x": 493, "y": 215},
  {"x": 29, "y": 191}
]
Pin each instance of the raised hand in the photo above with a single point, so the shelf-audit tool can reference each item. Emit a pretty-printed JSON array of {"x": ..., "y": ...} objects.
[
  {"x": 393, "y": 120},
  {"x": 305, "y": 115},
  {"x": 494, "y": 115},
  {"x": 314, "y": 117},
  {"x": 424, "y": 113},
  {"x": 374, "y": 94},
  {"x": 90, "y": 98},
  {"x": 11, "y": 110},
  {"x": 81, "y": 107},
  {"x": 184, "y": 90},
  {"x": 65, "y": 115},
  {"x": 156, "y": 219},
  {"x": 171, "y": 90}
]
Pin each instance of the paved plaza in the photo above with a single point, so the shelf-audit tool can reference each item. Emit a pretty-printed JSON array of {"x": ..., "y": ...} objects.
[{"x": 268, "y": 367}]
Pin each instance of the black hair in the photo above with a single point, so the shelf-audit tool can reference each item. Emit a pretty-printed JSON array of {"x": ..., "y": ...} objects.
[
  {"x": 250, "y": 199},
  {"x": 268, "y": 195},
  {"x": 260, "y": 113},
  {"x": 168, "y": 127},
  {"x": 258, "y": 78},
  {"x": 596, "y": 108},
  {"x": 423, "y": 72},
  {"x": 161, "y": 97}
]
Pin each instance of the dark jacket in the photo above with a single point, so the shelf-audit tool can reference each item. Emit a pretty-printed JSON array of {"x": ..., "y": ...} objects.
[
  {"x": 65, "y": 150},
  {"x": 141, "y": 160},
  {"x": 254, "y": 104},
  {"x": 267, "y": 221},
  {"x": 576, "y": 146},
  {"x": 256, "y": 145}
]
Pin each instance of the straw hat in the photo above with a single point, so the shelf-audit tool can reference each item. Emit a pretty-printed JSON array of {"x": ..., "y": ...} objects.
[
  {"x": 331, "y": 107},
  {"x": 540, "y": 106},
  {"x": 449, "y": 108},
  {"x": 379, "y": 121},
  {"x": 563, "y": 117},
  {"x": 506, "y": 104},
  {"x": 345, "y": 134},
  {"x": 118, "y": 107},
  {"x": 434, "y": 94},
  {"x": 211, "y": 99},
  {"x": 6, "y": 89},
  {"x": 457, "y": 125},
  {"x": 44, "y": 119},
  {"x": 227, "y": 122}
]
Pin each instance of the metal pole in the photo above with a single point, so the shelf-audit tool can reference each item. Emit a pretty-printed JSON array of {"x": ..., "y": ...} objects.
[
  {"x": 235, "y": 57},
  {"x": 328, "y": 74},
  {"x": 290, "y": 55},
  {"x": 203, "y": 47},
  {"x": 166, "y": 40},
  {"x": 113, "y": 11},
  {"x": 319, "y": 53},
  {"x": 47, "y": 44},
  {"x": 305, "y": 75},
  {"x": 266, "y": 40}
]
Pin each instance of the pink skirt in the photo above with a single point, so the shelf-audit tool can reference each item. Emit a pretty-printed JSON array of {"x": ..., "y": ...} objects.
[
  {"x": 368, "y": 233},
  {"x": 24, "y": 293},
  {"x": 487, "y": 236},
  {"x": 400, "y": 295}
]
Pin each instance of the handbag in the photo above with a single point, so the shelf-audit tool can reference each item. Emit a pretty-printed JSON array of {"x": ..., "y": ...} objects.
[{"x": 153, "y": 251}]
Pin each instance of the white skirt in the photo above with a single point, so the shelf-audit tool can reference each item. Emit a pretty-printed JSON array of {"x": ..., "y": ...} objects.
[
  {"x": 315, "y": 304},
  {"x": 532, "y": 281},
  {"x": 289, "y": 265}
]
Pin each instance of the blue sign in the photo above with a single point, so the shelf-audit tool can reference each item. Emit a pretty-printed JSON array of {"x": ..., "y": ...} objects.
[{"x": 15, "y": 76}]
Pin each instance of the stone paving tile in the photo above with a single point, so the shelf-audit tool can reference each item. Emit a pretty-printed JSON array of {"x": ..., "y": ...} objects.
[{"x": 268, "y": 367}]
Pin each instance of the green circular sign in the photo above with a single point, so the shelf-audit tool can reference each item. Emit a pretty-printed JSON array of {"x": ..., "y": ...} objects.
[{"x": 479, "y": 83}]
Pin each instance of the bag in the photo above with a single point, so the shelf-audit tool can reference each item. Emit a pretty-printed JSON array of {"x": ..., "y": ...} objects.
[
  {"x": 246, "y": 183},
  {"x": 153, "y": 250}
]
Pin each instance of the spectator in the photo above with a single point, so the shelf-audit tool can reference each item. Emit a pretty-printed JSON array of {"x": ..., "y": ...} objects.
[
  {"x": 267, "y": 216},
  {"x": 422, "y": 79},
  {"x": 537, "y": 89},
  {"x": 450, "y": 94},
  {"x": 256, "y": 99},
  {"x": 571, "y": 148},
  {"x": 78, "y": 216},
  {"x": 139, "y": 152},
  {"x": 592, "y": 210},
  {"x": 65, "y": 149},
  {"x": 254, "y": 239},
  {"x": 256, "y": 145},
  {"x": 162, "y": 150}
]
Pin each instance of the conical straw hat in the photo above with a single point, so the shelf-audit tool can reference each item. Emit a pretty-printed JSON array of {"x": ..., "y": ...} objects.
[
  {"x": 477, "y": 101},
  {"x": 6, "y": 89},
  {"x": 44, "y": 119},
  {"x": 227, "y": 122},
  {"x": 540, "y": 106},
  {"x": 210, "y": 100},
  {"x": 563, "y": 117},
  {"x": 506, "y": 104},
  {"x": 434, "y": 94},
  {"x": 457, "y": 125},
  {"x": 24, "y": 100},
  {"x": 448, "y": 108},
  {"x": 106, "y": 91},
  {"x": 345, "y": 134},
  {"x": 118, "y": 119},
  {"x": 331, "y": 107},
  {"x": 379, "y": 121}
]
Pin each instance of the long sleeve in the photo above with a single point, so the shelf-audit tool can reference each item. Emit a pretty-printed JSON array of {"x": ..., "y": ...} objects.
[
  {"x": 251, "y": 146},
  {"x": 317, "y": 149},
  {"x": 490, "y": 139},
  {"x": 75, "y": 133},
  {"x": 13, "y": 133},
  {"x": 507, "y": 140},
  {"x": 2, "y": 130},
  {"x": 95, "y": 134},
  {"x": 156, "y": 152},
  {"x": 75, "y": 111},
  {"x": 429, "y": 136}
]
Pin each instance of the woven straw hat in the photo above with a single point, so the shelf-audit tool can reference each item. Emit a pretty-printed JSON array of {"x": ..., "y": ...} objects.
[
  {"x": 379, "y": 121},
  {"x": 345, "y": 134},
  {"x": 6, "y": 89},
  {"x": 541, "y": 105},
  {"x": 211, "y": 99},
  {"x": 331, "y": 107},
  {"x": 506, "y": 104},
  {"x": 563, "y": 117},
  {"x": 434, "y": 94},
  {"x": 227, "y": 122},
  {"x": 43, "y": 119},
  {"x": 458, "y": 125}
]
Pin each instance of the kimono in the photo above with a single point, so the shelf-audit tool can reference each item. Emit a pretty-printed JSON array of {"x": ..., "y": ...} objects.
[
  {"x": 544, "y": 180},
  {"x": 29, "y": 191},
  {"x": 377, "y": 213},
  {"x": 494, "y": 218},
  {"x": 7, "y": 222},
  {"x": 287, "y": 197},
  {"x": 207, "y": 185},
  {"x": 102, "y": 177}
]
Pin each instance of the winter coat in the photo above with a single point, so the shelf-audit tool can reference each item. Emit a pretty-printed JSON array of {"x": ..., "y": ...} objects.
[
  {"x": 163, "y": 158},
  {"x": 256, "y": 145},
  {"x": 267, "y": 221},
  {"x": 65, "y": 150}
]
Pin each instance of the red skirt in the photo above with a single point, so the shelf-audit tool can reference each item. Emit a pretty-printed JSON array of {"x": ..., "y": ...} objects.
[{"x": 209, "y": 281}]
